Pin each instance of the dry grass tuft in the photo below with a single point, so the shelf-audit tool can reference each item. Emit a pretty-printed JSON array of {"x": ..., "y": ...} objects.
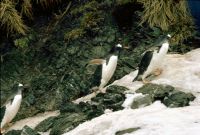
[
  {"x": 10, "y": 19},
  {"x": 169, "y": 16}
]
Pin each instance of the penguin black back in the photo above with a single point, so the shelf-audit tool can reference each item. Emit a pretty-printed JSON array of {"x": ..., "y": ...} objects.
[{"x": 144, "y": 63}]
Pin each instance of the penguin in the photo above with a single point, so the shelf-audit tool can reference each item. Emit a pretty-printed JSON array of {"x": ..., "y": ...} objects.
[
  {"x": 151, "y": 60},
  {"x": 11, "y": 107},
  {"x": 107, "y": 66}
]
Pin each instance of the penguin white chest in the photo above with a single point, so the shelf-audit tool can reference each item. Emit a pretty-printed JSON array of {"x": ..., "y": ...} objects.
[
  {"x": 157, "y": 60},
  {"x": 108, "y": 70},
  {"x": 11, "y": 110}
]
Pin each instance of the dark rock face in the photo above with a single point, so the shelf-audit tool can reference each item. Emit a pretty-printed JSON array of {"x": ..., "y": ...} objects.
[
  {"x": 74, "y": 114},
  {"x": 123, "y": 15},
  {"x": 45, "y": 125},
  {"x": 28, "y": 131},
  {"x": 168, "y": 95},
  {"x": 112, "y": 99},
  {"x": 25, "y": 131},
  {"x": 67, "y": 122},
  {"x": 14, "y": 132}
]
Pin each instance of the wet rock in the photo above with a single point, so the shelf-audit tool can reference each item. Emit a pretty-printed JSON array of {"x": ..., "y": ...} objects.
[
  {"x": 45, "y": 125},
  {"x": 129, "y": 130},
  {"x": 90, "y": 110},
  {"x": 66, "y": 122},
  {"x": 141, "y": 101},
  {"x": 178, "y": 99},
  {"x": 71, "y": 116},
  {"x": 14, "y": 132},
  {"x": 168, "y": 95},
  {"x": 28, "y": 131},
  {"x": 112, "y": 99}
]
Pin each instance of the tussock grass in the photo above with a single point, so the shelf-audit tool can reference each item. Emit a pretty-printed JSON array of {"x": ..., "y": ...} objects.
[{"x": 10, "y": 19}]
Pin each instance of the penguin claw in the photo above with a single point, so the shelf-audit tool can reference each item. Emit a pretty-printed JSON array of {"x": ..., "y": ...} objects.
[
  {"x": 9, "y": 124},
  {"x": 2, "y": 130},
  {"x": 157, "y": 72},
  {"x": 94, "y": 89},
  {"x": 145, "y": 81}
]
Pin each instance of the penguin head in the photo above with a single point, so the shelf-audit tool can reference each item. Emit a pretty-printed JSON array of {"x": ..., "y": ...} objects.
[
  {"x": 20, "y": 88},
  {"x": 20, "y": 85},
  {"x": 115, "y": 50},
  {"x": 169, "y": 36}
]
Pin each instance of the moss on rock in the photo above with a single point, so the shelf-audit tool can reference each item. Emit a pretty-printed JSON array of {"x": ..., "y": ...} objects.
[
  {"x": 112, "y": 99},
  {"x": 168, "y": 95},
  {"x": 14, "y": 132},
  {"x": 45, "y": 124},
  {"x": 67, "y": 122},
  {"x": 28, "y": 131}
]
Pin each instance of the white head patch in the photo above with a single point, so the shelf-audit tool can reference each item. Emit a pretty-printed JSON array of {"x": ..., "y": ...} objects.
[
  {"x": 169, "y": 35},
  {"x": 20, "y": 84},
  {"x": 119, "y": 45}
]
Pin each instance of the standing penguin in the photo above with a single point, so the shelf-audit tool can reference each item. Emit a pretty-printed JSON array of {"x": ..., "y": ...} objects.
[
  {"x": 109, "y": 65},
  {"x": 11, "y": 107},
  {"x": 151, "y": 61}
]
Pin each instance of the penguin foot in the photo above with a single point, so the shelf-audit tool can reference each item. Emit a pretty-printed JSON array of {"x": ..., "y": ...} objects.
[
  {"x": 157, "y": 72},
  {"x": 103, "y": 91},
  {"x": 2, "y": 130},
  {"x": 9, "y": 124},
  {"x": 94, "y": 89},
  {"x": 145, "y": 81}
]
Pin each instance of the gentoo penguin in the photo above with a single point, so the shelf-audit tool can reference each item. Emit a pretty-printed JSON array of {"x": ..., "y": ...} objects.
[
  {"x": 11, "y": 107},
  {"x": 108, "y": 66},
  {"x": 151, "y": 61}
]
